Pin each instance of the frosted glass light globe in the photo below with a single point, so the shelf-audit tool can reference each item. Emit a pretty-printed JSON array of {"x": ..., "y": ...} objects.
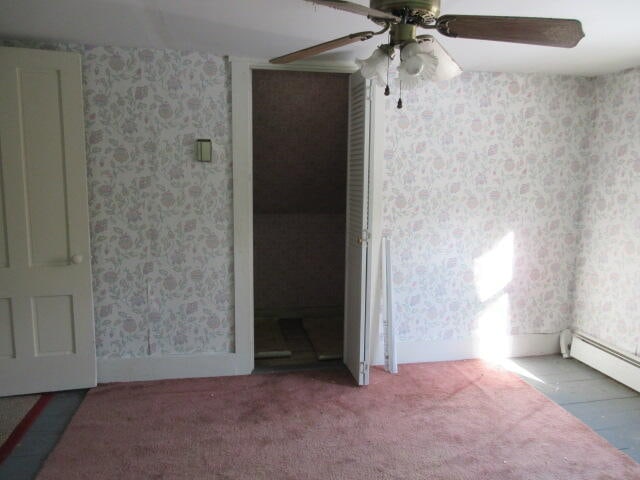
[
  {"x": 416, "y": 65},
  {"x": 375, "y": 67},
  {"x": 447, "y": 67}
]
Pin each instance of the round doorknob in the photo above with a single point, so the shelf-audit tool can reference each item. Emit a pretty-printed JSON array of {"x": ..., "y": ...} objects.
[{"x": 76, "y": 259}]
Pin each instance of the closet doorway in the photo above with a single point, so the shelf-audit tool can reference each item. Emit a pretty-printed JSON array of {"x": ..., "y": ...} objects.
[
  {"x": 300, "y": 137},
  {"x": 339, "y": 200}
]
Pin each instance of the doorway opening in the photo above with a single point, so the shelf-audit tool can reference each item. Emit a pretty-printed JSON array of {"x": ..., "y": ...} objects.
[{"x": 300, "y": 151}]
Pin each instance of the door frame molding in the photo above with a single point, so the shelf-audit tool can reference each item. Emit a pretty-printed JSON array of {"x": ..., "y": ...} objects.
[{"x": 242, "y": 154}]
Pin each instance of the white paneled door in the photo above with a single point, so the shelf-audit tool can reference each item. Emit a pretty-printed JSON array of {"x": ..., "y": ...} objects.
[
  {"x": 357, "y": 285},
  {"x": 46, "y": 313}
]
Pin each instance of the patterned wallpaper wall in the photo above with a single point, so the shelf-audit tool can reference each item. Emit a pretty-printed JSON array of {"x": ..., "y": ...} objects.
[
  {"x": 161, "y": 223},
  {"x": 482, "y": 173},
  {"x": 481, "y": 193},
  {"x": 608, "y": 278}
]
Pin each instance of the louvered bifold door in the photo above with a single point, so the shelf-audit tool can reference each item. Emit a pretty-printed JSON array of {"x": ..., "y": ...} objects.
[{"x": 356, "y": 320}]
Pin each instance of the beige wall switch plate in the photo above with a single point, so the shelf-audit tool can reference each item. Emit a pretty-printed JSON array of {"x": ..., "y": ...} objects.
[{"x": 203, "y": 150}]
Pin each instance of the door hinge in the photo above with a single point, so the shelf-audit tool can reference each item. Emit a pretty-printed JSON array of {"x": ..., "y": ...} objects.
[
  {"x": 364, "y": 238},
  {"x": 364, "y": 368}
]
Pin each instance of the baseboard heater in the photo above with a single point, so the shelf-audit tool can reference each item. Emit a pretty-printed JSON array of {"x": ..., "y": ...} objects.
[{"x": 623, "y": 367}]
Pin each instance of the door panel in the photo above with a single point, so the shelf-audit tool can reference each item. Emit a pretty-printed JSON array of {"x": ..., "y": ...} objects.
[
  {"x": 53, "y": 321},
  {"x": 41, "y": 127},
  {"x": 356, "y": 285},
  {"x": 46, "y": 311}
]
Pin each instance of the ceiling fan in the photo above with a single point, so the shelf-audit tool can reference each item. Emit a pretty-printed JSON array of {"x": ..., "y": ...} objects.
[{"x": 421, "y": 56}]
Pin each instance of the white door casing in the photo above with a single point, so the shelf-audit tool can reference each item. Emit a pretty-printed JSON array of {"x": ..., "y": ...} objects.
[
  {"x": 357, "y": 278},
  {"x": 243, "y": 207},
  {"x": 242, "y": 151},
  {"x": 46, "y": 311}
]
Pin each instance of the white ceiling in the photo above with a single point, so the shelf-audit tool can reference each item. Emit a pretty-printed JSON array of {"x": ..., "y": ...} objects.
[{"x": 268, "y": 28}]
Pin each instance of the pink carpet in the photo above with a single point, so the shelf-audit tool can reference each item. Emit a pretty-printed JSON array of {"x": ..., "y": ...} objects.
[{"x": 449, "y": 421}]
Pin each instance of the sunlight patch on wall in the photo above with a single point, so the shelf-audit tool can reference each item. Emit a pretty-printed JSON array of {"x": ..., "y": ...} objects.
[
  {"x": 493, "y": 271},
  {"x": 493, "y": 340}
]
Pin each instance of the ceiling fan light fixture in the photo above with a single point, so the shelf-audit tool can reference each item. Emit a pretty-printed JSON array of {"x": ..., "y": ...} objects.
[{"x": 375, "y": 67}]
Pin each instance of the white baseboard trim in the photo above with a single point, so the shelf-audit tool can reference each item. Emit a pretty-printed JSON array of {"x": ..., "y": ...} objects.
[
  {"x": 224, "y": 364},
  {"x": 528, "y": 345},
  {"x": 620, "y": 366},
  {"x": 168, "y": 366}
]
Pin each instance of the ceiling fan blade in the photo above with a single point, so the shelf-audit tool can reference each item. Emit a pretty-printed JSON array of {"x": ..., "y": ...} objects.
[
  {"x": 356, "y": 8},
  {"x": 323, "y": 47},
  {"x": 550, "y": 32}
]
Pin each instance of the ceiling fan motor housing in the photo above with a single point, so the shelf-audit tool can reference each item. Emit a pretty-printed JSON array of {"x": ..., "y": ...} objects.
[
  {"x": 427, "y": 9},
  {"x": 402, "y": 33}
]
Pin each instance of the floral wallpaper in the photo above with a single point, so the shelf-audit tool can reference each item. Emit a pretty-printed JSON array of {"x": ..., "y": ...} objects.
[
  {"x": 484, "y": 182},
  {"x": 608, "y": 274},
  {"x": 482, "y": 190},
  {"x": 161, "y": 222}
]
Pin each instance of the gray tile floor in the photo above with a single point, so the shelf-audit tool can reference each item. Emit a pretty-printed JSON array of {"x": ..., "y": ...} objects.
[
  {"x": 29, "y": 455},
  {"x": 608, "y": 407}
]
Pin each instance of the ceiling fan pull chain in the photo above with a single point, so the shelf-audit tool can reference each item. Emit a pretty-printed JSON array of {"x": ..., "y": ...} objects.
[
  {"x": 387, "y": 90},
  {"x": 400, "y": 97}
]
